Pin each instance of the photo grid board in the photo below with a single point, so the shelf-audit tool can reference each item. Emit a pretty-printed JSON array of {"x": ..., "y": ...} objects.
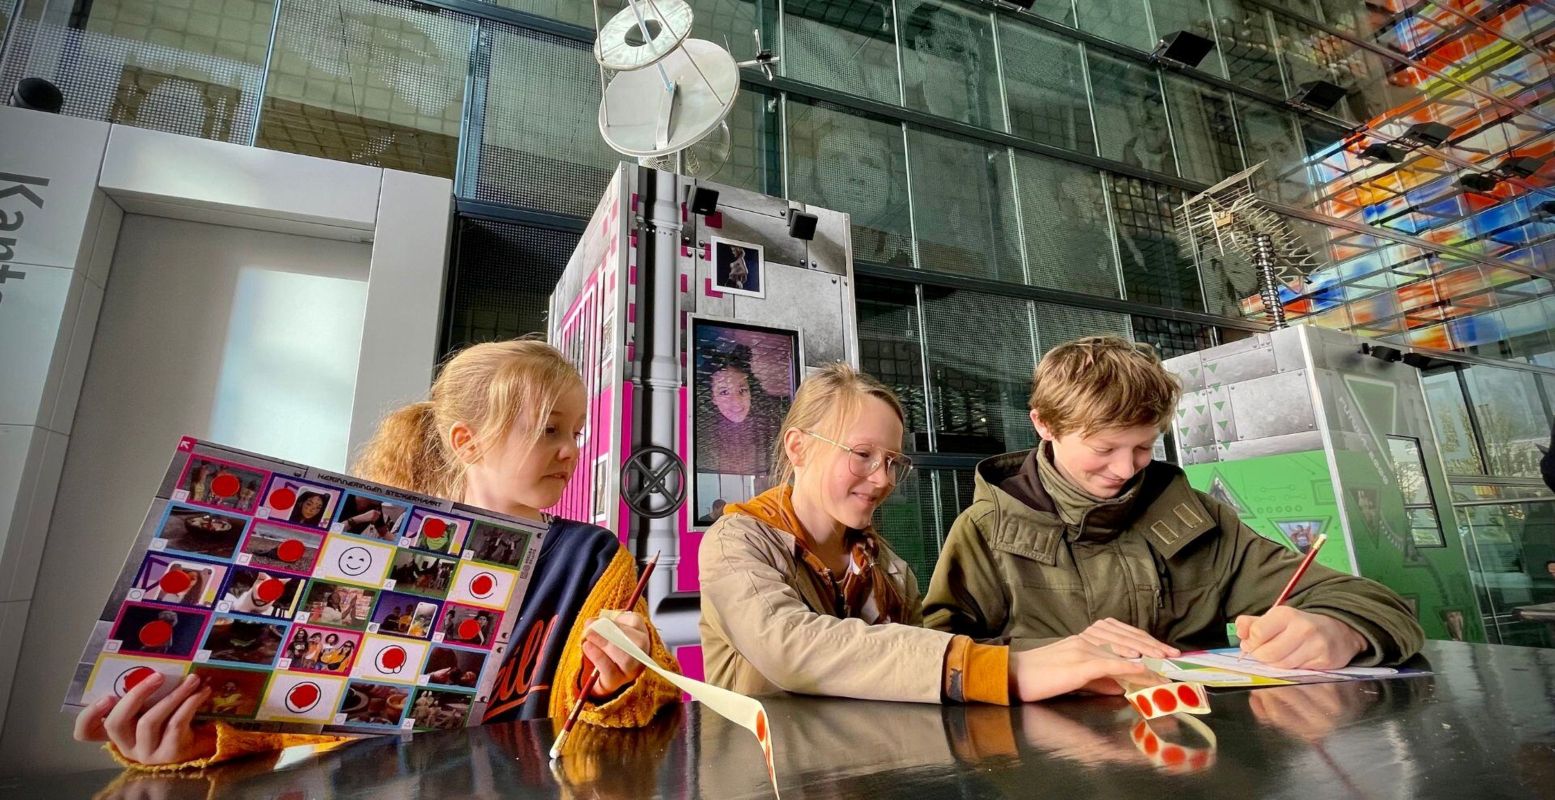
[{"x": 309, "y": 600}]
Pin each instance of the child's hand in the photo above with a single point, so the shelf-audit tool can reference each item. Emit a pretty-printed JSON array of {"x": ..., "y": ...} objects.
[
  {"x": 1072, "y": 665},
  {"x": 1289, "y": 638},
  {"x": 1126, "y": 640},
  {"x": 163, "y": 734},
  {"x": 616, "y": 668}
]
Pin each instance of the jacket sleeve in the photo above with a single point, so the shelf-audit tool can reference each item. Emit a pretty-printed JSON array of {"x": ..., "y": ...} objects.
[
  {"x": 233, "y": 743},
  {"x": 637, "y": 703},
  {"x": 1260, "y": 569},
  {"x": 799, "y": 650},
  {"x": 967, "y": 595}
]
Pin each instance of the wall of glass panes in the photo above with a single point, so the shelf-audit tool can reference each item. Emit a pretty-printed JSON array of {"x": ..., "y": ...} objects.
[
  {"x": 1011, "y": 176},
  {"x": 1491, "y": 425}
]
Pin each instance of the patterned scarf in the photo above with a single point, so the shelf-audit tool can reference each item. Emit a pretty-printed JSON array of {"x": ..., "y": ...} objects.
[{"x": 865, "y": 592}]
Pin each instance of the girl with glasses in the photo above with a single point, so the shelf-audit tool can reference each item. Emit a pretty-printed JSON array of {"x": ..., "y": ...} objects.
[{"x": 801, "y": 594}]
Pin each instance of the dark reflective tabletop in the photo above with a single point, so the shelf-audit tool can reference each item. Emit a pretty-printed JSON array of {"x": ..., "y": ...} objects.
[{"x": 1483, "y": 726}]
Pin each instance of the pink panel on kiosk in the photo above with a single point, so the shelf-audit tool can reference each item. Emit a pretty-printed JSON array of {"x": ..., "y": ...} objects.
[
  {"x": 688, "y": 578},
  {"x": 690, "y": 658}
]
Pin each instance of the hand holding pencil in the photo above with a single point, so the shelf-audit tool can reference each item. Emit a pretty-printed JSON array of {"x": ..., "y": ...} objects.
[
  {"x": 1290, "y": 638},
  {"x": 612, "y": 668}
]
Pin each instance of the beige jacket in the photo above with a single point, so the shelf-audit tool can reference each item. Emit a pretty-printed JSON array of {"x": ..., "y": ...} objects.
[{"x": 761, "y": 631}]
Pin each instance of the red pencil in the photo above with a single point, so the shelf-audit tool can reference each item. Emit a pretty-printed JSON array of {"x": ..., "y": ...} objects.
[
  {"x": 588, "y": 685},
  {"x": 1300, "y": 571}
]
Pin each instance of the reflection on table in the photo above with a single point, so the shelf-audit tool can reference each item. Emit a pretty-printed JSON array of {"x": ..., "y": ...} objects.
[{"x": 1483, "y": 725}]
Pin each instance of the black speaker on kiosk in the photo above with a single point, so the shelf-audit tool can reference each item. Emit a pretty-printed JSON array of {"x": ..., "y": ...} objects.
[
  {"x": 801, "y": 225},
  {"x": 704, "y": 201},
  {"x": 1182, "y": 47}
]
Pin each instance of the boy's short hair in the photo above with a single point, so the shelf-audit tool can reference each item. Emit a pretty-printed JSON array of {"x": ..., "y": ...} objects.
[{"x": 1100, "y": 382}]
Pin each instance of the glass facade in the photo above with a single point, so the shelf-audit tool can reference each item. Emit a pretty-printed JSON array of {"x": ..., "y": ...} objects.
[{"x": 1011, "y": 176}]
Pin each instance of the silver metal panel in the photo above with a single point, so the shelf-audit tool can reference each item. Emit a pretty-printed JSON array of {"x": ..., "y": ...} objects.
[
  {"x": 1200, "y": 455},
  {"x": 1253, "y": 363},
  {"x": 1222, "y": 420},
  {"x": 1272, "y": 445},
  {"x": 829, "y": 249},
  {"x": 1189, "y": 369},
  {"x": 1273, "y": 406},
  {"x": 1289, "y": 355},
  {"x": 757, "y": 227},
  {"x": 1194, "y": 426},
  {"x": 805, "y": 300}
]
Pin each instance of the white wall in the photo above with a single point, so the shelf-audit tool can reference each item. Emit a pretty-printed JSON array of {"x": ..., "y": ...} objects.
[
  {"x": 263, "y": 340},
  {"x": 206, "y": 330}
]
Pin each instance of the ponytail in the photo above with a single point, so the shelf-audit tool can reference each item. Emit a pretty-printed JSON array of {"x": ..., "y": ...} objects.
[{"x": 406, "y": 452}]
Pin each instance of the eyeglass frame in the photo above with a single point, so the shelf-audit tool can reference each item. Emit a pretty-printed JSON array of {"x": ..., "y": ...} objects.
[{"x": 884, "y": 462}]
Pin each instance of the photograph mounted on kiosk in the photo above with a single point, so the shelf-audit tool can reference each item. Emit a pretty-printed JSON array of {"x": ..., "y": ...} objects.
[{"x": 743, "y": 381}]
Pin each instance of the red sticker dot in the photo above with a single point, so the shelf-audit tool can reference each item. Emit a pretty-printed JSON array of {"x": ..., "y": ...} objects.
[
  {"x": 1152, "y": 744},
  {"x": 1173, "y": 755},
  {"x": 469, "y": 629},
  {"x": 1189, "y": 697},
  {"x": 302, "y": 697},
  {"x": 291, "y": 550},
  {"x": 155, "y": 633},
  {"x": 270, "y": 590},
  {"x": 483, "y": 584},
  {"x": 394, "y": 657},
  {"x": 434, "y": 528},
  {"x": 225, "y": 485},
  {"x": 176, "y": 581},
  {"x": 136, "y": 675},
  {"x": 761, "y": 726},
  {"x": 1144, "y": 705},
  {"x": 283, "y": 499},
  {"x": 1198, "y": 760},
  {"x": 1139, "y": 730},
  {"x": 1165, "y": 700}
]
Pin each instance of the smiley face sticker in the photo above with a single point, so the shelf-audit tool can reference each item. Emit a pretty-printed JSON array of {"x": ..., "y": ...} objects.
[{"x": 355, "y": 561}]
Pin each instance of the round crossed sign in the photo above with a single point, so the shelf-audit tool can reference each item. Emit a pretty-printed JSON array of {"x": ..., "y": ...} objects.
[{"x": 642, "y": 482}]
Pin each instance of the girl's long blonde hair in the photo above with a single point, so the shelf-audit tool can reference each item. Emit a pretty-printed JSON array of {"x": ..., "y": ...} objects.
[
  {"x": 490, "y": 387},
  {"x": 827, "y": 403}
]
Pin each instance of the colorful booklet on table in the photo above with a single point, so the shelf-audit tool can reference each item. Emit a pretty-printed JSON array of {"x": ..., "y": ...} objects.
[
  {"x": 311, "y": 600},
  {"x": 1223, "y": 669}
]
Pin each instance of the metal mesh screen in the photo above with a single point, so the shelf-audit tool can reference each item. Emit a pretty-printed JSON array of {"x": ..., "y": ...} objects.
[
  {"x": 949, "y": 67},
  {"x": 1170, "y": 337},
  {"x": 917, "y": 517},
  {"x": 1045, "y": 86},
  {"x": 963, "y": 207},
  {"x": 1154, "y": 271},
  {"x": 847, "y": 45},
  {"x": 163, "y": 76},
  {"x": 370, "y": 82},
  {"x": 891, "y": 347},
  {"x": 1125, "y": 21},
  {"x": 1058, "y": 324},
  {"x": 1203, "y": 130},
  {"x": 1130, "y": 114},
  {"x": 1069, "y": 242},
  {"x": 855, "y": 164},
  {"x": 980, "y": 357},
  {"x": 539, "y": 142},
  {"x": 501, "y": 281}
]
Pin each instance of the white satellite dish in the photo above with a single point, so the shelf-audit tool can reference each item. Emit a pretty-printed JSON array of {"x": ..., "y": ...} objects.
[
  {"x": 652, "y": 112},
  {"x": 641, "y": 34}
]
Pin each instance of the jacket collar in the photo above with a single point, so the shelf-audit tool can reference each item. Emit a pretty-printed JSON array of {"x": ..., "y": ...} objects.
[{"x": 1164, "y": 509}]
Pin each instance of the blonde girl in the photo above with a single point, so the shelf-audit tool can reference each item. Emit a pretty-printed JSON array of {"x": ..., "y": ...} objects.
[
  {"x": 800, "y": 593},
  {"x": 499, "y": 430}
]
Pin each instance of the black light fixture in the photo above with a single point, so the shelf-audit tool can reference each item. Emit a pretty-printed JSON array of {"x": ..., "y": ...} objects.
[
  {"x": 1545, "y": 211},
  {"x": 1427, "y": 134},
  {"x": 1317, "y": 95},
  {"x": 1382, "y": 352},
  {"x": 1382, "y": 151},
  {"x": 1421, "y": 361},
  {"x": 801, "y": 224},
  {"x": 704, "y": 201},
  {"x": 1183, "y": 47},
  {"x": 1518, "y": 165},
  {"x": 37, "y": 94},
  {"x": 1482, "y": 182},
  {"x": 1024, "y": 5}
]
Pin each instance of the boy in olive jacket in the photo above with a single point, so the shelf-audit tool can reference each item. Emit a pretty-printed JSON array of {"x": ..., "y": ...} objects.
[{"x": 1087, "y": 535}]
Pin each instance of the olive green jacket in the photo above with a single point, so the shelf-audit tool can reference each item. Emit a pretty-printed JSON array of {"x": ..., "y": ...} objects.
[{"x": 1162, "y": 557}]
